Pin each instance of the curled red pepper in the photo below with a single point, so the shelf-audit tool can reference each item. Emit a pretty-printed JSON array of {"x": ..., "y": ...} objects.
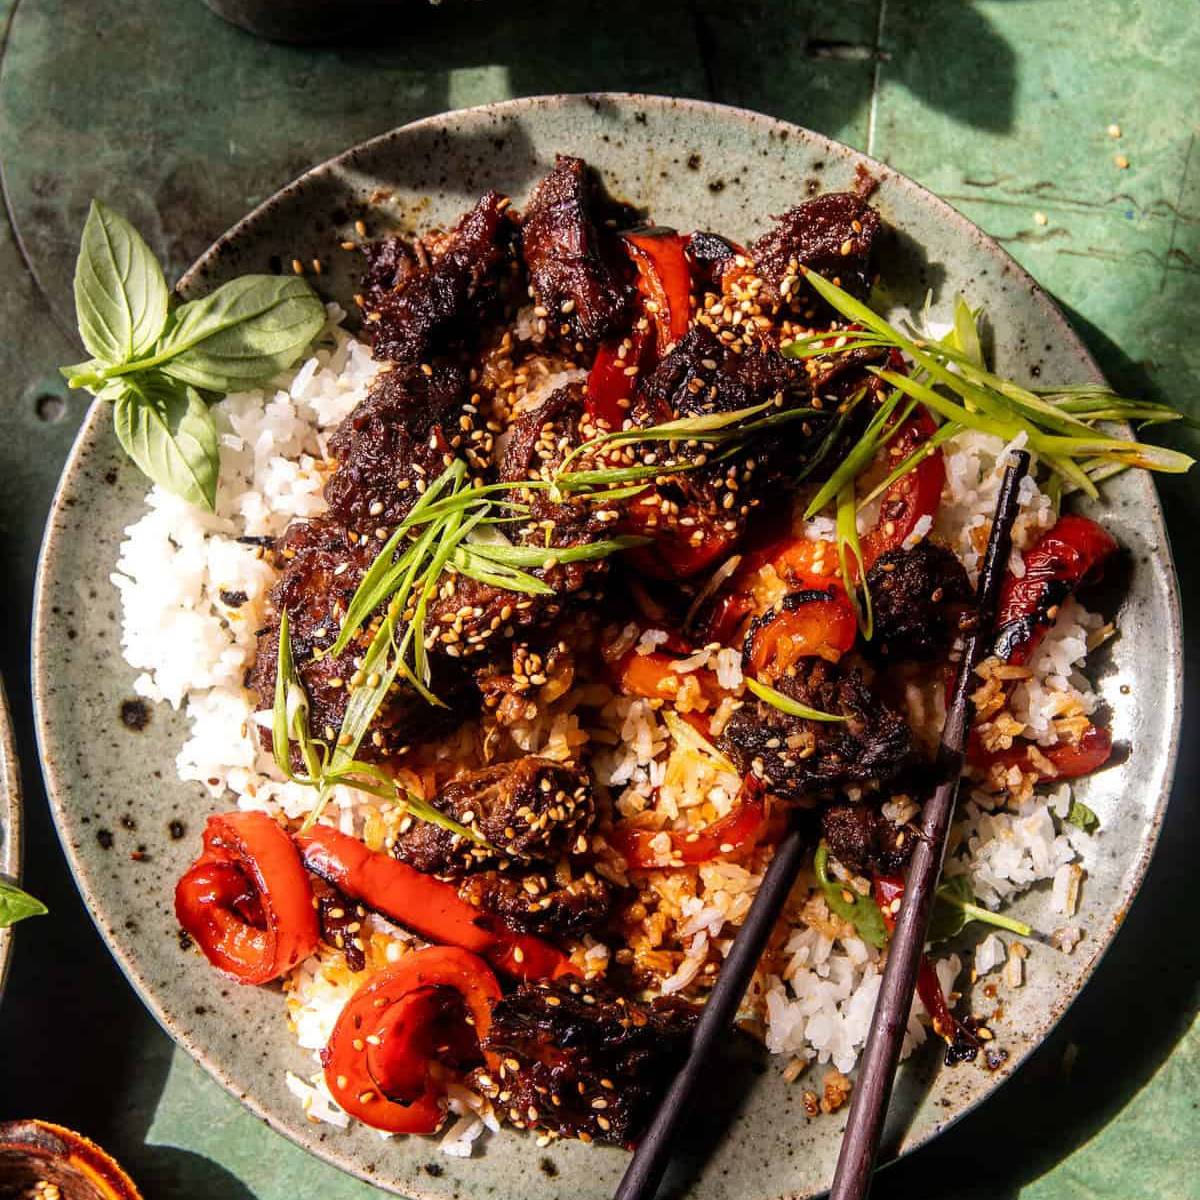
[
  {"x": 818, "y": 623},
  {"x": 383, "y": 1057},
  {"x": 1058, "y": 562},
  {"x": 429, "y": 907},
  {"x": 246, "y": 901}
]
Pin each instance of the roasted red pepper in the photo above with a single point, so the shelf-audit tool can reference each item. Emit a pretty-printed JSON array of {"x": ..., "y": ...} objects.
[
  {"x": 739, "y": 830},
  {"x": 677, "y": 551},
  {"x": 664, "y": 280},
  {"x": 246, "y": 901},
  {"x": 388, "y": 1050},
  {"x": 914, "y": 495},
  {"x": 664, "y": 283},
  {"x": 799, "y": 562},
  {"x": 1067, "y": 760},
  {"x": 818, "y": 623},
  {"x": 1058, "y": 562},
  {"x": 429, "y": 907},
  {"x": 609, "y": 387}
]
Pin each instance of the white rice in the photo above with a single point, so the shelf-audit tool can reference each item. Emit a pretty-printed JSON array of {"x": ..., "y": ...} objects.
[{"x": 178, "y": 574}]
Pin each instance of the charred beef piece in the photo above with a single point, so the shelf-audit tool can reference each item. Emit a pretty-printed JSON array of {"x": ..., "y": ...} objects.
[
  {"x": 709, "y": 254},
  {"x": 425, "y": 298},
  {"x": 830, "y": 234},
  {"x": 800, "y": 759},
  {"x": 322, "y": 567},
  {"x": 581, "y": 1061},
  {"x": 920, "y": 595},
  {"x": 861, "y": 838},
  {"x": 576, "y": 271},
  {"x": 701, "y": 375},
  {"x": 472, "y": 616},
  {"x": 538, "y": 441},
  {"x": 535, "y": 902},
  {"x": 532, "y": 808},
  {"x": 340, "y": 920},
  {"x": 394, "y": 443}
]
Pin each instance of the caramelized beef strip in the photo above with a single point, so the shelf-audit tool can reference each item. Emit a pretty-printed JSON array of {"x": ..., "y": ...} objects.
[
  {"x": 533, "y": 808},
  {"x": 862, "y": 839},
  {"x": 322, "y": 566},
  {"x": 801, "y": 759},
  {"x": 581, "y": 1061},
  {"x": 395, "y": 443},
  {"x": 576, "y": 273},
  {"x": 537, "y": 902},
  {"x": 920, "y": 596},
  {"x": 424, "y": 298},
  {"x": 831, "y": 234}
]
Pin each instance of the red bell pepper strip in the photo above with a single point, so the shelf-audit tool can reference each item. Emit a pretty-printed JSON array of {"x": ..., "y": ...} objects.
[
  {"x": 916, "y": 494},
  {"x": 664, "y": 280},
  {"x": 1058, "y": 562},
  {"x": 739, "y": 830},
  {"x": 818, "y": 623},
  {"x": 379, "y": 1063},
  {"x": 1067, "y": 760},
  {"x": 609, "y": 388},
  {"x": 429, "y": 907},
  {"x": 677, "y": 551},
  {"x": 246, "y": 901}
]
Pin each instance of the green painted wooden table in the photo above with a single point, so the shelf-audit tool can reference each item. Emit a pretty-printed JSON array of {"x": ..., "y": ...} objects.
[{"x": 1002, "y": 106}]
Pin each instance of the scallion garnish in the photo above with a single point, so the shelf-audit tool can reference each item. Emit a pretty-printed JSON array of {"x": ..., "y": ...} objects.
[{"x": 786, "y": 704}]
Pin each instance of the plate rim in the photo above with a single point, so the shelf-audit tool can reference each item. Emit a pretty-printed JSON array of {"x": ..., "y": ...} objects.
[{"x": 193, "y": 276}]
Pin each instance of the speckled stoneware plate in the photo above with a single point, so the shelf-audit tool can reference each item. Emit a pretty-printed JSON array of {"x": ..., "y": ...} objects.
[
  {"x": 111, "y": 775},
  {"x": 10, "y": 820}
]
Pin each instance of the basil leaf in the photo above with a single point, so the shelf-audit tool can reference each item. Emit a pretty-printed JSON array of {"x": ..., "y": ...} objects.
[
  {"x": 861, "y": 911},
  {"x": 954, "y": 908},
  {"x": 949, "y": 916},
  {"x": 169, "y": 432},
  {"x": 243, "y": 333},
  {"x": 16, "y": 905},
  {"x": 120, "y": 292},
  {"x": 1079, "y": 814}
]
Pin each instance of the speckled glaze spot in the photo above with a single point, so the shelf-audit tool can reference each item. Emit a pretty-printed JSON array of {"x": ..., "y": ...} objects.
[{"x": 753, "y": 1142}]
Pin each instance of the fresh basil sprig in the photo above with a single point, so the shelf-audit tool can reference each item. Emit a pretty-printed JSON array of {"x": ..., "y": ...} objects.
[
  {"x": 16, "y": 905},
  {"x": 148, "y": 361}
]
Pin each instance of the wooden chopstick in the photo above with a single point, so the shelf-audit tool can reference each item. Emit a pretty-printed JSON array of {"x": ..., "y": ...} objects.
[
  {"x": 653, "y": 1154},
  {"x": 877, "y": 1068}
]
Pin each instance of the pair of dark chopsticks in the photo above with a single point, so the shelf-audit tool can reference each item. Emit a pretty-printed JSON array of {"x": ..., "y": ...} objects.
[{"x": 860, "y": 1143}]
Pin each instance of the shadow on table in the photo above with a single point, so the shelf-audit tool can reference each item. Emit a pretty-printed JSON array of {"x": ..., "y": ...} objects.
[{"x": 1142, "y": 998}]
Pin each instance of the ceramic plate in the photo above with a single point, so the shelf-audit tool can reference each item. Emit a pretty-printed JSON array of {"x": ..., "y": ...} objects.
[
  {"x": 10, "y": 819},
  {"x": 110, "y": 764}
]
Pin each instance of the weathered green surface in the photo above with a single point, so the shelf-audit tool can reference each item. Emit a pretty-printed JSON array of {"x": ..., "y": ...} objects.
[{"x": 1002, "y": 107}]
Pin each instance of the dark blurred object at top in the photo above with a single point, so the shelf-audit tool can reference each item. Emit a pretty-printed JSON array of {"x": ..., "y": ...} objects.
[{"x": 306, "y": 21}]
